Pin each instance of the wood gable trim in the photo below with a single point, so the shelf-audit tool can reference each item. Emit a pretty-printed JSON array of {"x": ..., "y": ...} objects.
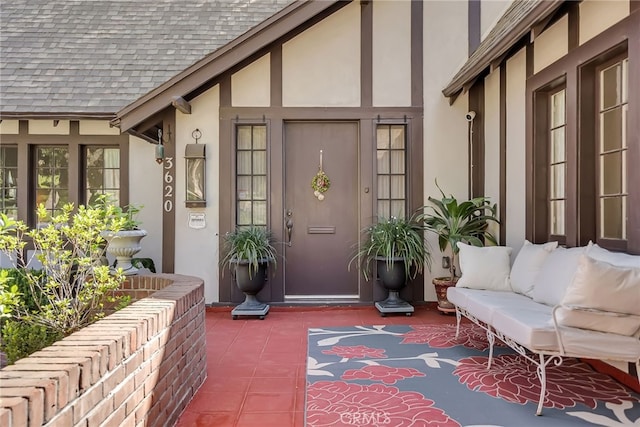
[
  {"x": 221, "y": 60},
  {"x": 499, "y": 41}
]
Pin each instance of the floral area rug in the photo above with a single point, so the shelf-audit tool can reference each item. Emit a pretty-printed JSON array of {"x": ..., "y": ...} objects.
[{"x": 421, "y": 375}]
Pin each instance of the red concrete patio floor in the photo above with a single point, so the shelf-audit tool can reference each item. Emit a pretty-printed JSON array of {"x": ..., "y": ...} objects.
[{"x": 256, "y": 368}]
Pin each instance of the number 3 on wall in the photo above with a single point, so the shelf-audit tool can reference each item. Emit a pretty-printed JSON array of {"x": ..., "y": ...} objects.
[{"x": 168, "y": 184}]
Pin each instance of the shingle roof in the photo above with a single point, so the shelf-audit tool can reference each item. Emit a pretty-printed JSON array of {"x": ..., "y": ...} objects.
[
  {"x": 88, "y": 56},
  {"x": 514, "y": 23}
]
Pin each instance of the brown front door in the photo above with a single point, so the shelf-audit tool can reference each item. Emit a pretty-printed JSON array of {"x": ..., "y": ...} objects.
[{"x": 320, "y": 235}]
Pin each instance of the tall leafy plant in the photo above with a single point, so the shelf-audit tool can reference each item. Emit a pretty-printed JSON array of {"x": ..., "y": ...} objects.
[
  {"x": 392, "y": 239},
  {"x": 453, "y": 221}
]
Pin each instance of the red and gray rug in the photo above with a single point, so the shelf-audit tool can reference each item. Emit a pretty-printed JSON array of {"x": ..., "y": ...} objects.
[{"x": 420, "y": 375}]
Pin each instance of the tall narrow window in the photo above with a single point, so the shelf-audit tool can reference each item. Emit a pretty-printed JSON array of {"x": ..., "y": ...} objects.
[
  {"x": 612, "y": 151},
  {"x": 391, "y": 170},
  {"x": 557, "y": 163},
  {"x": 9, "y": 181},
  {"x": 52, "y": 177},
  {"x": 102, "y": 173},
  {"x": 251, "y": 175}
]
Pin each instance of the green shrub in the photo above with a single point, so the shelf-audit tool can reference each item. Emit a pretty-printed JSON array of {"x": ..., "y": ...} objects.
[{"x": 20, "y": 339}]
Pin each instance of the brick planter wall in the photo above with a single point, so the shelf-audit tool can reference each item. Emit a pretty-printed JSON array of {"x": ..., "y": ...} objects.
[{"x": 137, "y": 367}]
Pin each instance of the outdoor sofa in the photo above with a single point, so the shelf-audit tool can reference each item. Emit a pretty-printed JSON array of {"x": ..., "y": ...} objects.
[{"x": 554, "y": 302}]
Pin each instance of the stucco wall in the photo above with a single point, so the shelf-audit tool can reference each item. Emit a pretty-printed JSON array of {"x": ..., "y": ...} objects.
[
  {"x": 97, "y": 127},
  {"x": 145, "y": 189},
  {"x": 392, "y": 53},
  {"x": 598, "y": 15},
  {"x": 250, "y": 87},
  {"x": 516, "y": 156},
  {"x": 551, "y": 45},
  {"x": 321, "y": 66},
  {"x": 445, "y": 127},
  {"x": 9, "y": 127},
  {"x": 49, "y": 127},
  {"x": 197, "y": 249}
]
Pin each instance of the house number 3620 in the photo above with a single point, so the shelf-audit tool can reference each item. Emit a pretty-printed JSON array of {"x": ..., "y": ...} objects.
[{"x": 168, "y": 184}]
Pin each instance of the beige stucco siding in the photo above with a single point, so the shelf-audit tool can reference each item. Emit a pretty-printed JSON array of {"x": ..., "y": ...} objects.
[
  {"x": 9, "y": 127},
  {"x": 598, "y": 15},
  {"x": 97, "y": 127},
  {"x": 445, "y": 127},
  {"x": 197, "y": 253},
  {"x": 145, "y": 189},
  {"x": 49, "y": 127},
  {"x": 516, "y": 153},
  {"x": 391, "y": 53},
  {"x": 321, "y": 66},
  {"x": 250, "y": 87},
  {"x": 492, "y": 140},
  {"x": 551, "y": 45}
]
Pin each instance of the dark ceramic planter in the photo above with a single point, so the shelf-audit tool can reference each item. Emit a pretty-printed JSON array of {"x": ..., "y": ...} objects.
[{"x": 393, "y": 277}]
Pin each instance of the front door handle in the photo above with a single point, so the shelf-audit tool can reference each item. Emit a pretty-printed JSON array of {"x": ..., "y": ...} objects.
[{"x": 289, "y": 225}]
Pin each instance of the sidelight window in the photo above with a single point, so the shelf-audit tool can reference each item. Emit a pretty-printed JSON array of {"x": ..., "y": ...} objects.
[
  {"x": 391, "y": 170},
  {"x": 612, "y": 151},
  {"x": 251, "y": 175},
  {"x": 52, "y": 177},
  {"x": 557, "y": 163}
]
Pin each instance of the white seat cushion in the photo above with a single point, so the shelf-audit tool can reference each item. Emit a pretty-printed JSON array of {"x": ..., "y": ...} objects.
[
  {"x": 599, "y": 345},
  {"x": 483, "y": 303},
  {"x": 530, "y": 326},
  {"x": 597, "y": 320}
]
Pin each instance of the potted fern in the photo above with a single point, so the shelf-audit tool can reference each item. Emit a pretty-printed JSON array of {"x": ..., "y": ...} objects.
[
  {"x": 248, "y": 253},
  {"x": 454, "y": 222},
  {"x": 397, "y": 248}
]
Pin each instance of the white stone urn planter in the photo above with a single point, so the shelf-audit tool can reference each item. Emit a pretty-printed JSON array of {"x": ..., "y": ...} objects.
[{"x": 124, "y": 245}]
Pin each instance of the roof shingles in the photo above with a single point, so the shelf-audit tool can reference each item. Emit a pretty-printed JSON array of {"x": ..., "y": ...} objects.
[{"x": 85, "y": 56}]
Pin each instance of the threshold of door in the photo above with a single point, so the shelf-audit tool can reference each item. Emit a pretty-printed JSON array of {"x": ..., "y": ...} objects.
[{"x": 322, "y": 299}]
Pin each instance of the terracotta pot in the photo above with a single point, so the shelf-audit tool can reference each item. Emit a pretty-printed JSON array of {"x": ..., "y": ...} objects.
[{"x": 442, "y": 284}]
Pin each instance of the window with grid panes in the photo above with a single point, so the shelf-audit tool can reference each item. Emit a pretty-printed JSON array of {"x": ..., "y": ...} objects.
[
  {"x": 9, "y": 181},
  {"x": 52, "y": 177},
  {"x": 251, "y": 175},
  {"x": 612, "y": 150},
  {"x": 391, "y": 170},
  {"x": 102, "y": 169},
  {"x": 557, "y": 163}
]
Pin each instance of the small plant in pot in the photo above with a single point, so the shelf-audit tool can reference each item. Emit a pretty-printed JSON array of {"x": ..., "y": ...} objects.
[
  {"x": 454, "y": 222},
  {"x": 399, "y": 251},
  {"x": 124, "y": 243},
  {"x": 248, "y": 253}
]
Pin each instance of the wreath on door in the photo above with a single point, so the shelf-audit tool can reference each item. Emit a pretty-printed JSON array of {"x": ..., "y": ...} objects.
[{"x": 320, "y": 182}]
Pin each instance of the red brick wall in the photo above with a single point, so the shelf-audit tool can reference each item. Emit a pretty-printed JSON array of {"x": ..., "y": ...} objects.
[{"x": 138, "y": 366}]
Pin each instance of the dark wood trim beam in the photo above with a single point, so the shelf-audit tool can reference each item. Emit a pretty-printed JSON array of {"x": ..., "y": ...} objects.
[
  {"x": 169, "y": 198},
  {"x": 225, "y": 178},
  {"x": 502, "y": 205},
  {"x": 417, "y": 50},
  {"x": 574, "y": 25},
  {"x": 318, "y": 113},
  {"x": 366, "y": 54},
  {"x": 474, "y": 22},
  {"x": 633, "y": 132},
  {"x": 276, "y": 76},
  {"x": 477, "y": 142}
]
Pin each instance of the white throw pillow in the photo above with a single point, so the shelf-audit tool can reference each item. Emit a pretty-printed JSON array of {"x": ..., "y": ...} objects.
[
  {"x": 485, "y": 267},
  {"x": 619, "y": 259},
  {"x": 596, "y": 320},
  {"x": 602, "y": 286},
  {"x": 527, "y": 266},
  {"x": 556, "y": 274}
]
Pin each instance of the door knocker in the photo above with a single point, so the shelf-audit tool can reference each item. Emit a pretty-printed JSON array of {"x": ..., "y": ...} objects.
[{"x": 320, "y": 182}]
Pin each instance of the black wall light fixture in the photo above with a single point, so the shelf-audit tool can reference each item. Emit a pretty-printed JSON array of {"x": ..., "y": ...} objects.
[{"x": 195, "y": 157}]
